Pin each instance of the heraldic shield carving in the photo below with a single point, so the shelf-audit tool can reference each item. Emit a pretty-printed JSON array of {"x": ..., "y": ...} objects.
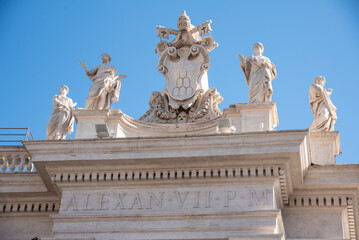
[
  {"x": 184, "y": 63},
  {"x": 185, "y": 71}
]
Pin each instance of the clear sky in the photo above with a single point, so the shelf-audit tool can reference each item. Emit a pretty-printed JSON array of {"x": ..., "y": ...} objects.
[{"x": 41, "y": 43}]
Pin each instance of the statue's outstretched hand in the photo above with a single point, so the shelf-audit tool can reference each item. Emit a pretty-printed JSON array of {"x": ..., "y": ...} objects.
[
  {"x": 83, "y": 64},
  {"x": 241, "y": 58}
]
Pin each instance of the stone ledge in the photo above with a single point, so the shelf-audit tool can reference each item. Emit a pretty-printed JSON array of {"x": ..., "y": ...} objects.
[
  {"x": 21, "y": 183},
  {"x": 257, "y": 237}
]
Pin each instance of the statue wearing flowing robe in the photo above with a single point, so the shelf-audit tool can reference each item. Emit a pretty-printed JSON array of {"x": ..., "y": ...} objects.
[
  {"x": 61, "y": 121},
  {"x": 258, "y": 72},
  {"x": 322, "y": 107},
  {"x": 104, "y": 89},
  {"x": 105, "y": 86}
]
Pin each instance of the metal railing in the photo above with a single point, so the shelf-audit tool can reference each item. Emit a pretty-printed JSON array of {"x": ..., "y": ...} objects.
[{"x": 13, "y": 136}]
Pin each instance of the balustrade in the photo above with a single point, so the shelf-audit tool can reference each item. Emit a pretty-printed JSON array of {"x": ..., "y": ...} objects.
[{"x": 15, "y": 161}]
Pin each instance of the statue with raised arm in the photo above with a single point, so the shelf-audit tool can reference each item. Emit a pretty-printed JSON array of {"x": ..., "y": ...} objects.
[
  {"x": 106, "y": 84},
  {"x": 184, "y": 63},
  {"x": 61, "y": 121},
  {"x": 259, "y": 73},
  {"x": 322, "y": 107}
]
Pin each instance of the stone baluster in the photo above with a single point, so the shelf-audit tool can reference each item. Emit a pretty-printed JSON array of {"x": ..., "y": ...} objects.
[
  {"x": 29, "y": 166},
  {"x": 9, "y": 161},
  {"x": 13, "y": 163},
  {"x": 22, "y": 163},
  {"x": 3, "y": 162},
  {"x": 18, "y": 161}
]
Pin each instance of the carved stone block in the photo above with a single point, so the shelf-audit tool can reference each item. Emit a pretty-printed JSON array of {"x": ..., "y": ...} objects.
[
  {"x": 253, "y": 117},
  {"x": 324, "y": 147}
]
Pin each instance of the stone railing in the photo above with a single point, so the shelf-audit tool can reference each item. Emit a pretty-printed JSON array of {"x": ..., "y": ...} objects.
[{"x": 15, "y": 159}]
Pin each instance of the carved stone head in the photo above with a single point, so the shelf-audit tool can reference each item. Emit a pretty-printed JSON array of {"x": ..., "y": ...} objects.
[
  {"x": 320, "y": 80},
  {"x": 182, "y": 117},
  {"x": 258, "y": 48},
  {"x": 105, "y": 58},
  {"x": 64, "y": 89},
  {"x": 184, "y": 22}
]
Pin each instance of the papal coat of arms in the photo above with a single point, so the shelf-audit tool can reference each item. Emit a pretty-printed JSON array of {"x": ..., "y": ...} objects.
[{"x": 184, "y": 63}]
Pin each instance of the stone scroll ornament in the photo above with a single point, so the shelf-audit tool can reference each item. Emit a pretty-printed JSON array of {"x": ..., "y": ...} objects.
[
  {"x": 322, "y": 107},
  {"x": 259, "y": 72},
  {"x": 184, "y": 63},
  {"x": 61, "y": 121}
]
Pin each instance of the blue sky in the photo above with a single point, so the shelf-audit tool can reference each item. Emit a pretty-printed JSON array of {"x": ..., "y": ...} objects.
[{"x": 41, "y": 43}]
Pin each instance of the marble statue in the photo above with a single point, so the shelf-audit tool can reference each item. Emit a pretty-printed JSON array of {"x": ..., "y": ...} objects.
[
  {"x": 259, "y": 73},
  {"x": 184, "y": 63},
  {"x": 61, "y": 121},
  {"x": 106, "y": 85},
  {"x": 322, "y": 107}
]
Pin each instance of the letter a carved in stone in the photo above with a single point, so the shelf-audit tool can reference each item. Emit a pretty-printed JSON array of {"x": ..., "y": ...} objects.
[{"x": 72, "y": 204}]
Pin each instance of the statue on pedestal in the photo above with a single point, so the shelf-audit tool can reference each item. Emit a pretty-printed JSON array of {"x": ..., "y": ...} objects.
[
  {"x": 184, "y": 63},
  {"x": 259, "y": 73},
  {"x": 322, "y": 107},
  {"x": 61, "y": 121},
  {"x": 105, "y": 87}
]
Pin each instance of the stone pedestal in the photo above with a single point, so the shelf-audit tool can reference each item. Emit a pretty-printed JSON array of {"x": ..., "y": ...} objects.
[
  {"x": 324, "y": 147},
  {"x": 86, "y": 120},
  {"x": 122, "y": 126},
  {"x": 253, "y": 117}
]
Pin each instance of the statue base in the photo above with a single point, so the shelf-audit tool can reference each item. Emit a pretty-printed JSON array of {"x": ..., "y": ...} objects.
[
  {"x": 324, "y": 147},
  {"x": 87, "y": 119},
  {"x": 122, "y": 126},
  {"x": 253, "y": 117}
]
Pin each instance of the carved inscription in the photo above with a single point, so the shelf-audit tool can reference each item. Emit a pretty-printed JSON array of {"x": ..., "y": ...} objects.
[
  {"x": 258, "y": 200},
  {"x": 193, "y": 199}
]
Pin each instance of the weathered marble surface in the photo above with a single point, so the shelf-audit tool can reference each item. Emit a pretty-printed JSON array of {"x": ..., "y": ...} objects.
[
  {"x": 106, "y": 84},
  {"x": 259, "y": 72},
  {"x": 61, "y": 121},
  {"x": 322, "y": 107}
]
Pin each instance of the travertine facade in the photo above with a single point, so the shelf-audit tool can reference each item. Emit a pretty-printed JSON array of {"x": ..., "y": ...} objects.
[{"x": 173, "y": 175}]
